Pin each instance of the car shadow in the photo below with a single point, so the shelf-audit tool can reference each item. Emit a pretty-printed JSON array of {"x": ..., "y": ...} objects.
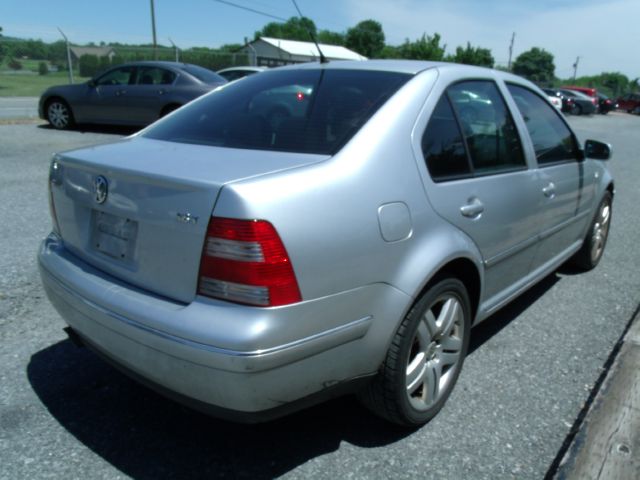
[
  {"x": 106, "y": 129},
  {"x": 147, "y": 436},
  {"x": 499, "y": 320}
]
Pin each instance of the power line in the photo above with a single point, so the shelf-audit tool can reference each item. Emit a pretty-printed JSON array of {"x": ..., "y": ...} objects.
[{"x": 249, "y": 9}]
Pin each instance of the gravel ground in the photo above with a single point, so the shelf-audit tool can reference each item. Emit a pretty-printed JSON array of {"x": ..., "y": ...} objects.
[{"x": 66, "y": 414}]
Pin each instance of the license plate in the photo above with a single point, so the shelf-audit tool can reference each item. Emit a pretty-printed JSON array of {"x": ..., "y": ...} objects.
[{"x": 114, "y": 236}]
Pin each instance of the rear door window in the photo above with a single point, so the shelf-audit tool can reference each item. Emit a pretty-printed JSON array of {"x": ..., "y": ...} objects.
[
  {"x": 489, "y": 131},
  {"x": 155, "y": 76},
  {"x": 310, "y": 110},
  {"x": 443, "y": 146}
]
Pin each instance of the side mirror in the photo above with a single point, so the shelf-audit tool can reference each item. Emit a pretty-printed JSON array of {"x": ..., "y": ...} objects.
[
  {"x": 597, "y": 150},
  {"x": 92, "y": 83}
]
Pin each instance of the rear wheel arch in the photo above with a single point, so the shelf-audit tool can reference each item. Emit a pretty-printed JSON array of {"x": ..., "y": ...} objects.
[{"x": 464, "y": 270}]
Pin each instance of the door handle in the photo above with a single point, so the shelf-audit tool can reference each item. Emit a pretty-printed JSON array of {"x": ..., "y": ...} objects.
[
  {"x": 472, "y": 209},
  {"x": 550, "y": 190},
  {"x": 161, "y": 92},
  {"x": 120, "y": 92}
]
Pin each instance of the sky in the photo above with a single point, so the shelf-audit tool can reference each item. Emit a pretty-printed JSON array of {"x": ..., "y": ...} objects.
[{"x": 604, "y": 34}]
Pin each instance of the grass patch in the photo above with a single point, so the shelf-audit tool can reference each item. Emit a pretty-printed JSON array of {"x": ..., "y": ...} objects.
[{"x": 31, "y": 85}]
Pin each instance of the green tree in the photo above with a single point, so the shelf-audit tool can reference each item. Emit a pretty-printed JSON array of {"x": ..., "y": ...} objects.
[
  {"x": 536, "y": 65},
  {"x": 425, "y": 48},
  {"x": 389, "y": 51},
  {"x": 3, "y": 47},
  {"x": 104, "y": 63},
  {"x": 366, "y": 38},
  {"x": 230, "y": 47},
  {"x": 616, "y": 82},
  {"x": 89, "y": 65},
  {"x": 42, "y": 68},
  {"x": 14, "y": 64},
  {"x": 331, "y": 38},
  {"x": 296, "y": 28},
  {"x": 473, "y": 56}
]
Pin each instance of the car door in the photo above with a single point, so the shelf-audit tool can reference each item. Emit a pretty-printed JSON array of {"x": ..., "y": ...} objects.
[
  {"x": 567, "y": 183},
  {"x": 106, "y": 101},
  {"x": 480, "y": 181},
  {"x": 146, "y": 97}
]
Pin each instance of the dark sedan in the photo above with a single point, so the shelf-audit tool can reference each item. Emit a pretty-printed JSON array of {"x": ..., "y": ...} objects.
[
  {"x": 582, "y": 104},
  {"x": 130, "y": 94},
  {"x": 605, "y": 104}
]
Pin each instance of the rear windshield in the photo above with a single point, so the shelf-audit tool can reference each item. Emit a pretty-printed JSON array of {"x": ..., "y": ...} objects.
[
  {"x": 310, "y": 111},
  {"x": 202, "y": 74}
]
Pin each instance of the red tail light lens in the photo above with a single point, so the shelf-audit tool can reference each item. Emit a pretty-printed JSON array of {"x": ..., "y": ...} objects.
[{"x": 245, "y": 261}]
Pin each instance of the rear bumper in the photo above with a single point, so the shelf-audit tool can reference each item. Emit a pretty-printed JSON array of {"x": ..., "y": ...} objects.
[{"x": 229, "y": 357}]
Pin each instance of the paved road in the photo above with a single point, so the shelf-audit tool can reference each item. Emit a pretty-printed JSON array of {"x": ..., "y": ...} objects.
[
  {"x": 65, "y": 413},
  {"x": 18, "y": 107}
]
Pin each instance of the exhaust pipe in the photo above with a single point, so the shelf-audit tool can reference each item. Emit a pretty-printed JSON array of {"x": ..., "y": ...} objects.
[{"x": 74, "y": 337}]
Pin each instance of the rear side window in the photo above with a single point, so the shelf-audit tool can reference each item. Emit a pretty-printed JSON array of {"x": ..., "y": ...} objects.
[
  {"x": 310, "y": 111},
  {"x": 552, "y": 140},
  {"x": 203, "y": 74},
  {"x": 489, "y": 130},
  {"x": 155, "y": 76},
  {"x": 443, "y": 146}
]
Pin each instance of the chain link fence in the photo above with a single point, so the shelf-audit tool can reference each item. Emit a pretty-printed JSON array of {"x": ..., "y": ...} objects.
[{"x": 34, "y": 57}]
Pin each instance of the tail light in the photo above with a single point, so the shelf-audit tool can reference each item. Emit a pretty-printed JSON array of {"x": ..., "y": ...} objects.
[{"x": 245, "y": 261}]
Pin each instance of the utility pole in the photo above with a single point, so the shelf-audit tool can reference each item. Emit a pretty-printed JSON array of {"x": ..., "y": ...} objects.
[
  {"x": 69, "y": 66},
  {"x": 176, "y": 48},
  {"x": 575, "y": 68},
  {"x": 513, "y": 37},
  {"x": 153, "y": 30}
]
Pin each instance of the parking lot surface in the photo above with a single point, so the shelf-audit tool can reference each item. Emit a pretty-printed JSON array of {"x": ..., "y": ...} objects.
[{"x": 66, "y": 413}]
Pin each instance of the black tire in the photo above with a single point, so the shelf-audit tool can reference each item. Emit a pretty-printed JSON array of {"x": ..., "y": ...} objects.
[
  {"x": 396, "y": 393},
  {"x": 592, "y": 248},
  {"x": 576, "y": 109},
  {"x": 59, "y": 114}
]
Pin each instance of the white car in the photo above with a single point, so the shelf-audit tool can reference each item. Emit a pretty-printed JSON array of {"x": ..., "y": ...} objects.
[
  {"x": 234, "y": 73},
  {"x": 555, "y": 101}
]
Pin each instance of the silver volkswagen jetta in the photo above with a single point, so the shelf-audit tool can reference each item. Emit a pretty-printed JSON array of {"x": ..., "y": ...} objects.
[{"x": 250, "y": 263}]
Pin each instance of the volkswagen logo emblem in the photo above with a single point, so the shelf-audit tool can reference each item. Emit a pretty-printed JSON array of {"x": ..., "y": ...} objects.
[{"x": 100, "y": 189}]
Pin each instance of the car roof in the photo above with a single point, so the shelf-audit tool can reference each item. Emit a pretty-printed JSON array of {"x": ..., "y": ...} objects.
[
  {"x": 155, "y": 63},
  {"x": 404, "y": 66},
  {"x": 242, "y": 68},
  {"x": 576, "y": 93}
]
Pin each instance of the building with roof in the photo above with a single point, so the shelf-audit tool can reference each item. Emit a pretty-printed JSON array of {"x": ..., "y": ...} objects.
[
  {"x": 273, "y": 52},
  {"x": 77, "y": 52}
]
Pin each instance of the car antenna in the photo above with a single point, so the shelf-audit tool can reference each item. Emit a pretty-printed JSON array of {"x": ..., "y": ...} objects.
[{"x": 323, "y": 59}]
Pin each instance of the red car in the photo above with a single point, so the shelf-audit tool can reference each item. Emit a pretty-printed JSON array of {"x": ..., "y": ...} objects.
[
  {"x": 629, "y": 102},
  {"x": 592, "y": 92}
]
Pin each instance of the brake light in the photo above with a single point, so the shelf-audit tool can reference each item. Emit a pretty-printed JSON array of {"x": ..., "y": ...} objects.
[{"x": 245, "y": 261}]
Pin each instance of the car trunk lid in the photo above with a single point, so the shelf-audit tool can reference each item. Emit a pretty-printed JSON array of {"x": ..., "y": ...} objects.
[{"x": 150, "y": 227}]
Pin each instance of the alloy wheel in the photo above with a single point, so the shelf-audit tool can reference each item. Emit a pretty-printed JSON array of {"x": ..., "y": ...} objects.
[{"x": 436, "y": 351}]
